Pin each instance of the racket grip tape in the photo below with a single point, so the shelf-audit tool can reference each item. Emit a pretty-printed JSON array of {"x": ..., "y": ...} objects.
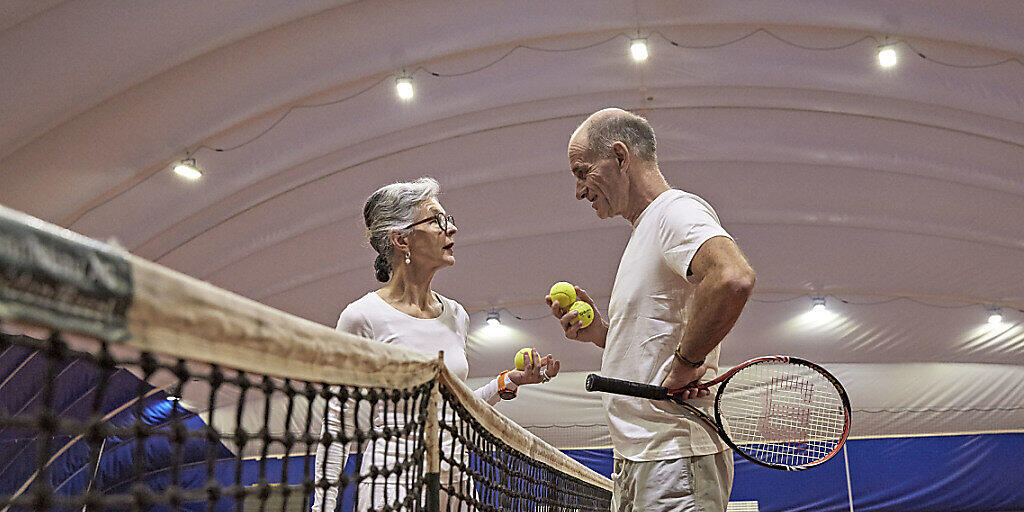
[{"x": 596, "y": 382}]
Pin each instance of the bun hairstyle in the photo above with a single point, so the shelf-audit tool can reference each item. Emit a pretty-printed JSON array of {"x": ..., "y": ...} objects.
[{"x": 392, "y": 208}]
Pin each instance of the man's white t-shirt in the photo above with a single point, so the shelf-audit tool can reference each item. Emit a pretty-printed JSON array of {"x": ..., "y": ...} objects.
[{"x": 647, "y": 316}]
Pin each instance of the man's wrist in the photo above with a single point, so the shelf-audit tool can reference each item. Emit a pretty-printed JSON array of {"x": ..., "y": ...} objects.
[
  {"x": 514, "y": 376},
  {"x": 684, "y": 360},
  {"x": 602, "y": 338}
]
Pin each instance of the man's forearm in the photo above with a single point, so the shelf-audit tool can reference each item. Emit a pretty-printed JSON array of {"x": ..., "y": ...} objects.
[
  {"x": 601, "y": 336},
  {"x": 716, "y": 304}
]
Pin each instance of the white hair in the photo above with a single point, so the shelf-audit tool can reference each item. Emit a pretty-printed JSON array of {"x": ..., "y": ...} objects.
[{"x": 392, "y": 208}]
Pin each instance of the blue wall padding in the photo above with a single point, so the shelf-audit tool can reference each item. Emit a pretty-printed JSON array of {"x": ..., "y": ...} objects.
[{"x": 943, "y": 473}]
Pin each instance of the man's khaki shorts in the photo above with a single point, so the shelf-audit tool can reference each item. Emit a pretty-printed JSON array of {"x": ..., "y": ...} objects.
[{"x": 688, "y": 484}]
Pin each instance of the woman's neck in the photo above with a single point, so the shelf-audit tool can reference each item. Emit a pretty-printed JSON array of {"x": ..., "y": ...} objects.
[{"x": 410, "y": 287}]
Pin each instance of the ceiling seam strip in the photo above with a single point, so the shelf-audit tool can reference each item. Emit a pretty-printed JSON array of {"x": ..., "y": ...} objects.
[
  {"x": 324, "y": 275},
  {"x": 224, "y": 263}
]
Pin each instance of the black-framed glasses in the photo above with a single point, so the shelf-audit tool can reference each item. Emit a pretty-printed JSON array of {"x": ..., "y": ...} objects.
[{"x": 443, "y": 221}]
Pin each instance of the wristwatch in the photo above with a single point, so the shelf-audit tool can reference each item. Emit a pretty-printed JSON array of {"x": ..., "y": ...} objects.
[{"x": 506, "y": 388}]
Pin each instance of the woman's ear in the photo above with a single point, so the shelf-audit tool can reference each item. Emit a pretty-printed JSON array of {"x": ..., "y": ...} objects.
[{"x": 399, "y": 241}]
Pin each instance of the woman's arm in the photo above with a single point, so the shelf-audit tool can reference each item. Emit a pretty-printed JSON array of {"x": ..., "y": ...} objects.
[{"x": 330, "y": 461}]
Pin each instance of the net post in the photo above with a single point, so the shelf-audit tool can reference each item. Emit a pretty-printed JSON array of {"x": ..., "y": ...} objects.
[{"x": 433, "y": 434}]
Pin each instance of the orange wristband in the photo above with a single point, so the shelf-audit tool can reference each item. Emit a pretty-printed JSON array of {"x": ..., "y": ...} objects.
[{"x": 503, "y": 392}]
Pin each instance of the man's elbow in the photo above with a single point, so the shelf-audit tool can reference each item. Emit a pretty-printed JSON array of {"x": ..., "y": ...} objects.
[{"x": 739, "y": 282}]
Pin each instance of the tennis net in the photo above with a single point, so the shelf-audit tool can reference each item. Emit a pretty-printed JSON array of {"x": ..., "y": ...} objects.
[{"x": 127, "y": 386}]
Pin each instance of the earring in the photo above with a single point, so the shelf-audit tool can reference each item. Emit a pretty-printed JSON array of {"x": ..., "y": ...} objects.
[{"x": 407, "y": 258}]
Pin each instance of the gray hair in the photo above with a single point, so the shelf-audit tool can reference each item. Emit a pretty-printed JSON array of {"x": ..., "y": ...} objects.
[
  {"x": 392, "y": 208},
  {"x": 625, "y": 127}
]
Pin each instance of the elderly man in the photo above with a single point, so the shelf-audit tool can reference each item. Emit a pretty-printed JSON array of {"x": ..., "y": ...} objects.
[{"x": 681, "y": 284}]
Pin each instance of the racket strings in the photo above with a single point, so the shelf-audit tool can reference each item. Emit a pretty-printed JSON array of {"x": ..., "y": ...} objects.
[{"x": 783, "y": 413}]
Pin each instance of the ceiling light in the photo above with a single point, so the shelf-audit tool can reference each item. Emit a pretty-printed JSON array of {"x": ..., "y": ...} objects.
[
  {"x": 493, "y": 317},
  {"x": 887, "y": 56},
  {"x": 403, "y": 85},
  {"x": 187, "y": 169},
  {"x": 638, "y": 49},
  {"x": 994, "y": 315},
  {"x": 818, "y": 303}
]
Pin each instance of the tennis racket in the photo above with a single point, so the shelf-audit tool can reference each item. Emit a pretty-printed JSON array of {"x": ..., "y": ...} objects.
[{"x": 779, "y": 412}]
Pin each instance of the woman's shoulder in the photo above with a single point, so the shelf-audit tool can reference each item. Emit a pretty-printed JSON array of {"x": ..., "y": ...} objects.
[{"x": 358, "y": 310}]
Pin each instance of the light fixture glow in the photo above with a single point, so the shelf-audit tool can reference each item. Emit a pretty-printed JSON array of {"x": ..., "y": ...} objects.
[
  {"x": 994, "y": 315},
  {"x": 638, "y": 49},
  {"x": 887, "y": 56},
  {"x": 493, "y": 317},
  {"x": 187, "y": 169},
  {"x": 172, "y": 398},
  {"x": 818, "y": 303},
  {"x": 403, "y": 85}
]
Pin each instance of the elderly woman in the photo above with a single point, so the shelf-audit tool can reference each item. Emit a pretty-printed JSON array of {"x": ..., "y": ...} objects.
[{"x": 414, "y": 238}]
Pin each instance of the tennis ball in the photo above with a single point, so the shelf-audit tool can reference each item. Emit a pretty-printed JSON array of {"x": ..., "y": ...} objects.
[
  {"x": 563, "y": 293},
  {"x": 584, "y": 311},
  {"x": 522, "y": 356}
]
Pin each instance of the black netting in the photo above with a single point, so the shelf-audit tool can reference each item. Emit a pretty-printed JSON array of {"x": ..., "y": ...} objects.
[
  {"x": 87, "y": 425},
  {"x": 480, "y": 472}
]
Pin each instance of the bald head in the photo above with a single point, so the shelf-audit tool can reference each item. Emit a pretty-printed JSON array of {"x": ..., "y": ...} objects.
[{"x": 607, "y": 126}]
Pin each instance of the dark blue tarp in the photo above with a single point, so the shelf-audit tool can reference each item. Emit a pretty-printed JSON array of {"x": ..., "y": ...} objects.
[{"x": 124, "y": 462}]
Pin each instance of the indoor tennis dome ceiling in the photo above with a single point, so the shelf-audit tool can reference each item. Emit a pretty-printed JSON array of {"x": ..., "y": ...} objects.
[{"x": 896, "y": 193}]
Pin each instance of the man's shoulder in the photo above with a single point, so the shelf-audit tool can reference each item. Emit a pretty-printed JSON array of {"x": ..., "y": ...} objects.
[
  {"x": 675, "y": 205},
  {"x": 676, "y": 198}
]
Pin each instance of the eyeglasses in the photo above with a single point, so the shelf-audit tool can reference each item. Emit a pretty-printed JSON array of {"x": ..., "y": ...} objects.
[{"x": 443, "y": 221}]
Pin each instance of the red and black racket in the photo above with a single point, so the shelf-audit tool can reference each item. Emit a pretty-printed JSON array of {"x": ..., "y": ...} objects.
[{"x": 780, "y": 412}]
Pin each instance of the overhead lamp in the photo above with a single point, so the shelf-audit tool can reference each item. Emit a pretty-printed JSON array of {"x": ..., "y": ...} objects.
[
  {"x": 493, "y": 317},
  {"x": 818, "y": 303},
  {"x": 638, "y": 49},
  {"x": 403, "y": 86},
  {"x": 995, "y": 315},
  {"x": 187, "y": 169},
  {"x": 887, "y": 56}
]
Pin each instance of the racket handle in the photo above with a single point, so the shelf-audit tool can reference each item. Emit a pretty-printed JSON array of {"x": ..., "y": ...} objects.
[{"x": 596, "y": 382}]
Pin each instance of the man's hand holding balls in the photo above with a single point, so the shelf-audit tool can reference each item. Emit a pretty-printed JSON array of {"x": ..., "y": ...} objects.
[{"x": 575, "y": 310}]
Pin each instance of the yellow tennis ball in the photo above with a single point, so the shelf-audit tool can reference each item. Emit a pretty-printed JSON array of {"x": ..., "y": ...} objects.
[
  {"x": 563, "y": 293},
  {"x": 522, "y": 356},
  {"x": 585, "y": 313}
]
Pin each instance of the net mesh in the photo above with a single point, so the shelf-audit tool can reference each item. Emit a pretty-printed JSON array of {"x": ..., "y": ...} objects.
[
  {"x": 481, "y": 472},
  {"x": 186, "y": 397},
  {"x": 783, "y": 413}
]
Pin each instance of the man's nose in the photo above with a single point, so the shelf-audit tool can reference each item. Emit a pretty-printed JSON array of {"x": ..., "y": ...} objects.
[{"x": 581, "y": 190}]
